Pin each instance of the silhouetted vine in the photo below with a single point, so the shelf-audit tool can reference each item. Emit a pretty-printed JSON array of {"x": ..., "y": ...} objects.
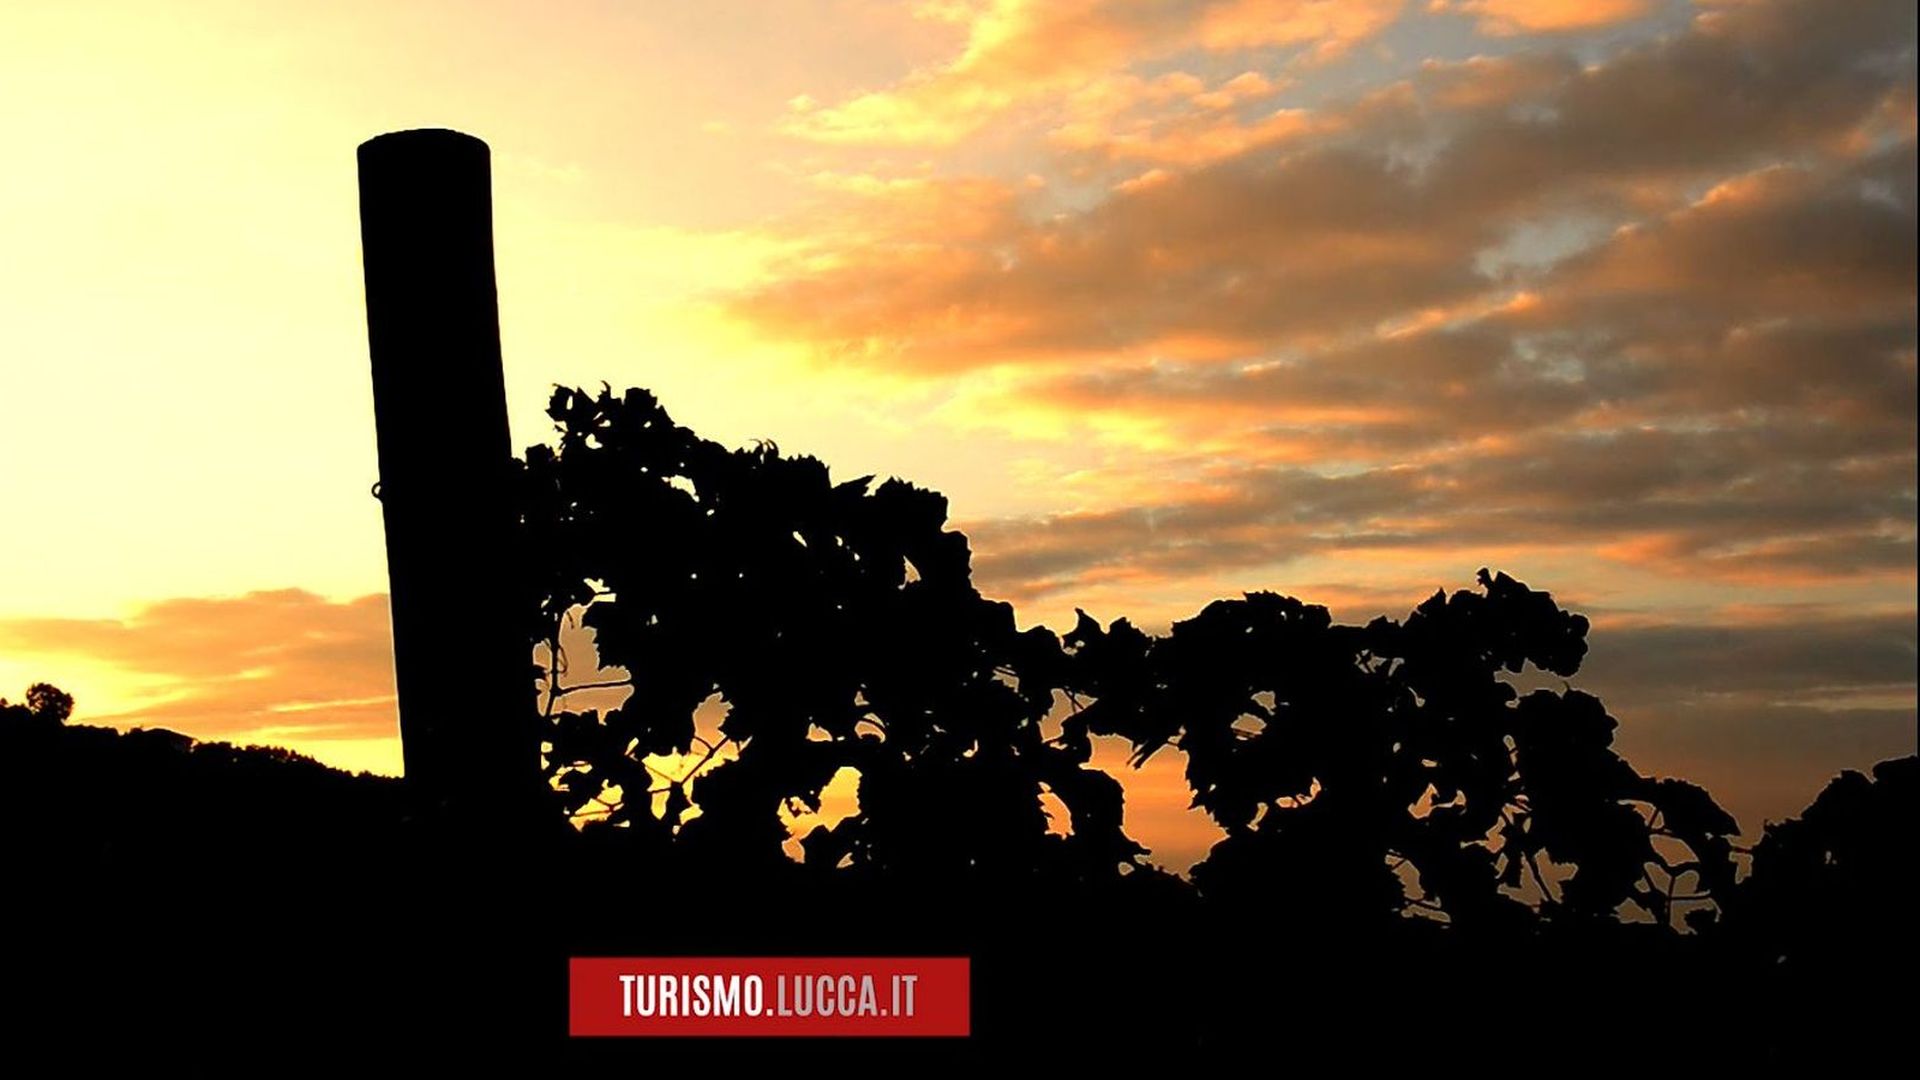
[{"x": 1358, "y": 771}]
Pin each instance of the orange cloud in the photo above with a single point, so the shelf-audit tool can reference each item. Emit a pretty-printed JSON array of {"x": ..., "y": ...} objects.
[
  {"x": 282, "y": 666},
  {"x": 1181, "y": 138},
  {"x": 1331, "y": 26},
  {"x": 1018, "y": 52},
  {"x": 1294, "y": 229},
  {"x": 1125, "y": 115},
  {"x": 1507, "y": 18},
  {"x": 1807, "y": 241}
]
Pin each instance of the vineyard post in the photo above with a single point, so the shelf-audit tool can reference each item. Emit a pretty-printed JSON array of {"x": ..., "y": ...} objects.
[{"x": 462, "y": 667}]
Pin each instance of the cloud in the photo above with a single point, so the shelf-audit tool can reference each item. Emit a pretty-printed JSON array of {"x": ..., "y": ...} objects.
[
  {"x": 1656, "y": 310},
  {"x": 1238, "y": 256},
  {"x": 1018, "y": 52},
  {"x": 1761, "y": 505},
  {"x": 1507, "y": 18},
  {"x": 1178, "y": 119},
  {"x": 1783, "y": 654},
  {"x": 1763, "y": 705},
  {"x": 268, "y": 666},
  {"x": 1257, "y": 518},
  {"x": 1370, "y": 211}
]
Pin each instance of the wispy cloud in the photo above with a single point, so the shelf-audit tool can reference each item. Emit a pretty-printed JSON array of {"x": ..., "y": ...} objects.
[
  {"x": 1019, "y": 52},
  {"x": 281, "y": 666},
  {"x": 1507, "y": 18}
]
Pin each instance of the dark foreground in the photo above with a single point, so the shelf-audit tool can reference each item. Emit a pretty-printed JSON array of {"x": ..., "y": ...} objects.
[{"x": 202, "y": 904}]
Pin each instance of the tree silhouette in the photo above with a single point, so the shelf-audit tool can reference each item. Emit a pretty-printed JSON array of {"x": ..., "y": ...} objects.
[{"x": 45, "y": 705}]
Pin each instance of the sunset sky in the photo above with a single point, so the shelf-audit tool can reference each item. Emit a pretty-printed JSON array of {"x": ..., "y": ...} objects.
[{"x": 1173, "y": 298}]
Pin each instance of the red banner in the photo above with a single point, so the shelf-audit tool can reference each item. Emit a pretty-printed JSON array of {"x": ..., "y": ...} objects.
[{"x": 730, "y": 996}]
